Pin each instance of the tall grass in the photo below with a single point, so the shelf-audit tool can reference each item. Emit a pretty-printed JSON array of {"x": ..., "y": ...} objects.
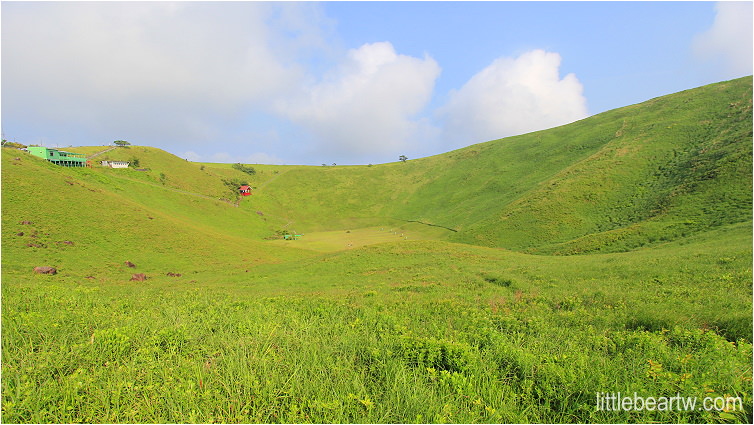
[{"x": 390, "y": 333}]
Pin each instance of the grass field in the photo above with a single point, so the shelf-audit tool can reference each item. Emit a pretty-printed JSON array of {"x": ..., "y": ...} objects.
[
  {"x": 338, "y": 240},
  {"x": 511, "y": 281}
]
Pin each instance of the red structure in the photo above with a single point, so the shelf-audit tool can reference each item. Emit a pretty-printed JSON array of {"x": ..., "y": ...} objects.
[{"x": 245, "y": 190}]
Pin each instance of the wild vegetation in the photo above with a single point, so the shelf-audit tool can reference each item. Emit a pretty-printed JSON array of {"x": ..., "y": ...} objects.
[
  {"x": 244, "y": 169},
  {"x": 511, "y": 281}
]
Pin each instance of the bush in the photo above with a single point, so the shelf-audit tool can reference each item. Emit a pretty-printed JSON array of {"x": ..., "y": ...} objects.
[
  {"x": 245, "y": 169},
  {"x": 499, "y": 281},
  {"x": 234, "y": 184}
]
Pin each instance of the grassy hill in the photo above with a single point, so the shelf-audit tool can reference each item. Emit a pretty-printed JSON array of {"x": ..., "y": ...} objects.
[
  {"x": 644, "y": 174},
  {"x": 442, "y": 289},
  {"x": 110, "y": 216}
]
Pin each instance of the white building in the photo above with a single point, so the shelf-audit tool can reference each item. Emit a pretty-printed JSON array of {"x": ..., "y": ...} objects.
[{"x": 115, "y": 164}]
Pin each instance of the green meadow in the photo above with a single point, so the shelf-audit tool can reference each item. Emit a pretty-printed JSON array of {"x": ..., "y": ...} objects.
[{"x": 517, "y": 280}]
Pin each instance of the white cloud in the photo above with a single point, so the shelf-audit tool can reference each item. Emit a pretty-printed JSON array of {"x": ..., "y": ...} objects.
[
  {"x": 222, "y": 157},
  {"x": 261, "y": 158},
  {"x": 146, "y": 71},
  {"x": 192, "y": 156},
  {"x": 729, "y": 41},
  {"x": 513, "y": 96},
  {"x": 368, "y": 104}
]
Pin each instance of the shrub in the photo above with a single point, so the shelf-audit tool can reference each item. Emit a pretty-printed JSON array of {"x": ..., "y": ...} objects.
[
  {"x": 245, "y": 169},
  {"x": 499, "y": 281},
  {"x": 234, "y": 184}
]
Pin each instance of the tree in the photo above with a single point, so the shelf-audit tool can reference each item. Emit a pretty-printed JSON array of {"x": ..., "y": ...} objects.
[
  {"x": 403, "y": 158},
  {"x": 121, "y": 143}
]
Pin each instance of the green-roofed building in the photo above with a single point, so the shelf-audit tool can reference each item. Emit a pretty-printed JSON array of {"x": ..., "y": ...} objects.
[{"x": 66, "y": 159}]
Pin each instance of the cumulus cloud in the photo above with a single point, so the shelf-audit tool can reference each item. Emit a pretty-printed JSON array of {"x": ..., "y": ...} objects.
[
  {"x": 192, "y": 156},
  {"x": 728, "y": 42},
  {"x": 222, "y": 157},
  {"x": 224, "y": 81},
  {"x": 261, "y": 158},
  {"x": 513, "y": 96},
  {"x": 368, "y": 103},
  {"x": 149, "y": 72}
]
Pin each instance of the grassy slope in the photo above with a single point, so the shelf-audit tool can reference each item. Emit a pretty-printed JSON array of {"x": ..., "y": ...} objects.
[
  {"x": 680, "y": 165},
  {"x": 627, "y": 178},
  {"x": 646, "y": 173},
  {"x": 411, "y": 331},
  {"x": 163, "y": 169},
  {"x": 113, "y": 218},
  {"x": 422, "y": 331}
]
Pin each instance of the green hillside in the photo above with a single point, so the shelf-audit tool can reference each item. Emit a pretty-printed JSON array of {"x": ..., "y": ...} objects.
[
  {"x": 509, "y": 281},
  {"x": 111, "y": 216},
  {"x": 644, "y": 174}
]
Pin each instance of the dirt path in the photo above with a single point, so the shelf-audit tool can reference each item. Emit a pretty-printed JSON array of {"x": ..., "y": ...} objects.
[
  {"x": 271, "y": 180},
  {"x": 100, "y": 153}
]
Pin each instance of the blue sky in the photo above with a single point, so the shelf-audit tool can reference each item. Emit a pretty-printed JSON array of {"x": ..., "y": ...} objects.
[{"x": 346, "y": 82}]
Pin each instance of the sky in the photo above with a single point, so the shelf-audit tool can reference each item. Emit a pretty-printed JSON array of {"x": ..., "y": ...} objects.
[{"x": 346, "y": 82}]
